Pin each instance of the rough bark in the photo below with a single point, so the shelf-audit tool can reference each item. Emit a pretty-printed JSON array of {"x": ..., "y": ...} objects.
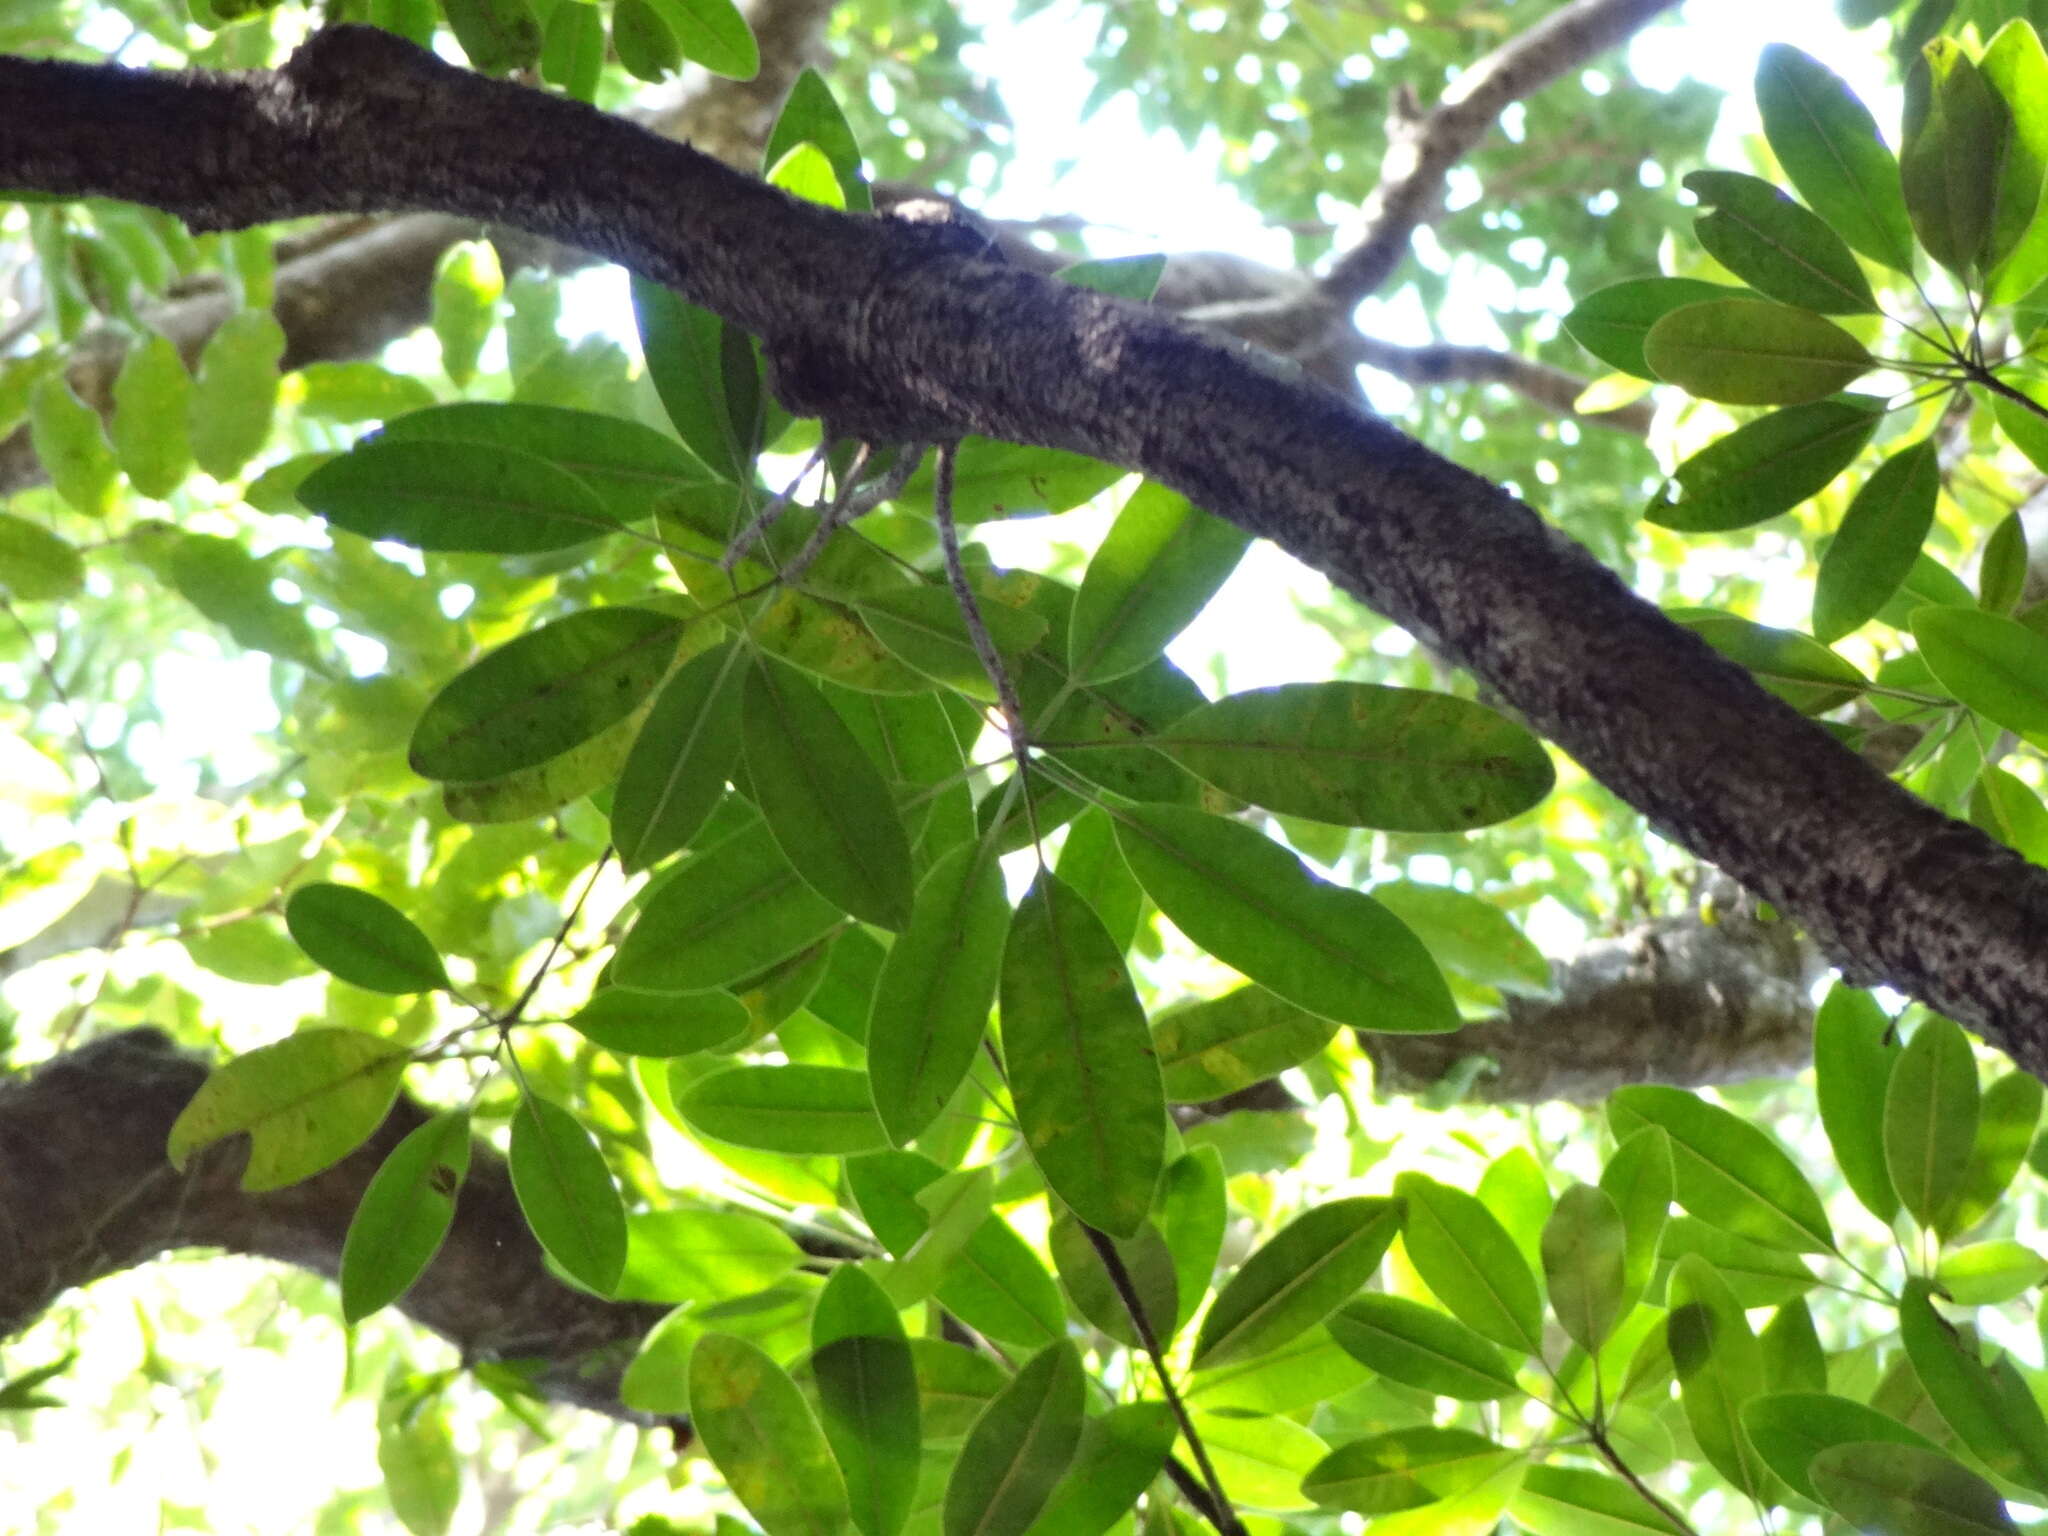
[{"x": 898, "y": 331}]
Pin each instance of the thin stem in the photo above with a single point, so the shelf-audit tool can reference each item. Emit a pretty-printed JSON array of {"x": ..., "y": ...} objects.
[
  {"x": 970, "y": 609},
  {"x": 1597, "y": 1433},
  {"x": 1223, "y": 1516}
]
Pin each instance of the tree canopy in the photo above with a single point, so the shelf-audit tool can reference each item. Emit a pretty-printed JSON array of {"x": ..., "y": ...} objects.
[{"x": 675, "y": 887}]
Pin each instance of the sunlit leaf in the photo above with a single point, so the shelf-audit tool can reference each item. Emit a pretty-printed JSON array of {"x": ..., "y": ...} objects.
[
  {"x": 763, "y": 1438},
  {"x": 1930, "y": 1118},
  {"x": 1828, "y": 143},
  {"x": 1119, "y": 1454},
  {"x": 810, "y": 115},
  {"x": 1988, "y": 1406},
  {"x": 1421, "y": 1347},
  {"x": 1403, "y": 1469},
  {"x": 1467, "y": 1258},
  {"x": 1585, "y": 1264},
  {"x": 1779, "y": 248},
  {"x": 1907, "y": 1491},
  {"x": 1612, "y": 322},
  {"x": 1300, "y": 1276},
  {"x": 867, "y": 1398},
  {"x": 660, "y": 1023},
  {"x": 1853, "y": 1055},
  {"x": 1754, "y": 352},
  {"x": 1727, "y": 1171},
  {"x": 1995, "y": 665},
  {"x": 1217, "y": 1046}
]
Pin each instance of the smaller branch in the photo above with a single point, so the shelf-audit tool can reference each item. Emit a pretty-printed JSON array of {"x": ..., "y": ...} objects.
[{"x": 1552, "y": 388}]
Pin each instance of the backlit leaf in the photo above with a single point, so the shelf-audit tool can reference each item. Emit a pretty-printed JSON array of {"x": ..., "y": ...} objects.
[
  {"x": 363, "y": 939},
  {"x": 1162, "y": 561},
  {"x": 1995, "y": 665},
  {"x": 764, "y": 1440},
  {"x": 681, "y": 758},
  {"x": 1828, "y": 143},
  {"x": 1766, "y": 466},
  {"x": 1789, "y": 1429},
  {"x": 1852, "y": 1066},
  {"x": 1467, "y": 1258},
  {"x": 455, "y": 496},
  {"x": 1930, "y": 1118},
  {"x": 405, "y": 1213},
  {"x": 867, "y": 1398},
  {"x": 1728, "y": 1171},
  {"x": 1874, "y": 548},
  {"x": 1403, "y": 1469},
  {"x": 1906, "y": 1491},
  {"x": 660, "y": 1023},
  {"x": 1754, "y": 352},
  {"x": 1779, "y": 248},
  {"x": 1612, "y": 322},
  {"x": 1219, "y": 1045},
  {"x": 1421, "y": 1347}
]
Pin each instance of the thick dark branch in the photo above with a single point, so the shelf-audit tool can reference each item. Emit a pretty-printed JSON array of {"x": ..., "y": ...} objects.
[
  {"x": 890, "y": 330},
  {"x": 1422, "y": 149},
  {"x": 85, "y": 1192}
]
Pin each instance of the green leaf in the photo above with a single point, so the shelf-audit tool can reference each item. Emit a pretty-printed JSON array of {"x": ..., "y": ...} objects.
[
  {"x": 867, "y": 1398},
  {"x": 954, "y": 1384},
  {"x": 1612, "y": 322},
  {"x": 1794, "y": 1360},
  {"x": 1776, "y": 246},
  {"x": 567, "y": 1193},
  {"x": 1421, "y": 1347},
  {"x": 1088, "y": 1095},
  {"x": 572, "y": 51},
  {"x": 359, "y": 391},
  {"x": 455, "y": 496},
  {"x": 1362, "y": 755},
  {"x": 822, "y": 797},
  {"x": 1577, "y": 1501},
  {"x": 2004, "y": 807},
  {"x": 1789, "y": 1429},
  {"x": 1828, "y": 143},
  {"x": 644, "y": 41},
  {"x": 2008, "y": 1115},
  {"x": 1995, "y": 665},
  {"x": 681, "y": 758},
  {"x": 1252, "y": 905},
  {"x": 1988, "y": 1406},
  {"x": 629, "y": 467},
  {"x": 924, "y": 627},
  {"x": 234, "y": 392},
  {"x": 2002, "y": 569},
  {"x": 1991, "y": 1273},
  {"x": 416, "y": 1454},
  {"x": 702, "y": 1257},
  {"x": 1585, "y": 1264},
  {"x": 1727, "y": 1171},
  {"x": 1852, "y": 1068},
  {"x": 363, "y": 939},
  {"x": 306, "y": 1101},
  {"x": 499, "y": 36},
  {"x": 761, "y": 1435},
  {"x": 1930, "y": 1118},
  {"x": 1299, "y": 1276},
  {"x": 1119, "y": 1454},
  {"x": 1758, "y": 1275},
  {"x": 721, "y": 915},
  {"x": 1147, "y": 1260},
  {"x": 548, "y": 691},
  {"x": 714, "y": 34},
  {"x": 152, "y": 394},
  {"x": 2015, "y": 66},
  {"x": 685, "y": 350},
  {"x": 1469, "y": 936},
  {"x": 1875, "y": 547},
  {"x": 1754, "y": 352},
  {"x": 405, "y": 1212},
  {"x": 660, "y": 1023},
  {"x": 545, "y": 787},
  {"x": 1123, "y": 277},
  {"x": 1403, "y": 1469},
  {"x": 1261, "y": 1460},
  {"x": 1466, "y": 1257},
  {"x": 234, "y": 589},
  {"x": 1894, "y": 1490},
  {"x": 1194, "y": 1210},
  {"x": 1766, "y": 466},
  {"x": 804, "y": 173},
  {"x": 36, "y": 565},
  {"x": 1958, "y": 135},
  {"x": 67, "y": 437},
  {"x": 810, "y": 115},
  {"x": 1162, "y": 561},
  {"x": 1639, "y": 1178},
  {"x": 1720, "y": 1367},
  {"x": 994, "y": 480},
  {"x": 932, "y": 999},
  {"x": 797, "y": 1109},
  {"x": 1018, "y": 1449},
  {"x": 1214, "y": 1047}
]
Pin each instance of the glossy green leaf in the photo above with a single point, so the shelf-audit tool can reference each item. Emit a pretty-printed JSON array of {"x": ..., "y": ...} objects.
[
  {"x": 1995, "y": 665},
  {"x": 1577, "y": 1501},
  {"x": 1261, "y": 1460},
  {"x": 35, "y": 564},
  {"x": 1585, "y": 1264},
  {"x": 572, "y": 50},
  {"x": 1776, "y": 246},
  {"x": 1988, "y": 1406},
  {"x": 994, "y": 480},
  {"x": 686, "y": 358},
  {"x": 810, "y": 115},
  {"x": 933, "y": 996},
  {"x": 1766, "y": 466},
  {"x": 1957, "y": 139},
  {"x": 1087, "y": 1089},
  {"x": 67, "y": 437},
  {"x": 1757, "y": 1274},
  {"x": 681, "y": 758},
  {"x": 644, "y": 41},
  {"x": 1468, "y": 935},
  {"x": 1252, "y": 905},
  {"x": 567, "y": 1193},
  {"x": 1466, "y": 1257},
  {"x": 660, "y": 1023},
  {"x": 1362, "y": 755},
  {"x": 234, "y": 392},
  {"x": 702, "y": 1256},
  {"x": 152, "y": 394},
  {"x": 405, "y": 1212},
  {"x": 764, "y": 1440},
  {"x": 498, "y": 36},
  {"x": 924, "y": 627},
  {"x": 798, "y": 1109},
  {"x": 1119, "y": 1454},
  {"x": 1421, "y": 1347},
  {"x": 1990, "y": 1273},
  {"x": 1828, "y": 143},
  {"x": 1852, "y": 1066},
  {"x": 1930, "y": 1118},
  {"x": 2001, "y": 805},
  {"x": 1216, "y": 1046},
  {"x": 1875, "y": 547},
  {"x": 552, "y": 689},
  {"x": 306, "y": 1102},
  {"x": 1088, "y": 1283},
  {"x": 1754, "y": 352},
  {"x": 954, "y": 1384},
  {"x": 1727, "y": 1171},
  {"x": 1789, "y": 1429},
  {"x": 822, "y": 797},
  {"x": 2009, "y": 1113},
  {"x": 1612, "y": 322},
  {"x": 2016, "y": 67},
  {"x": 363, "y": 939},
  {"x": 725, "y": 913},
  {"x": 1194, "y": 1210},
  {"x": 1299, "y": 1276},
  {"x": 628, "y": 466},
  {"x": 455, "y": 496},
  {"x": 1018, "y": 1449},
  {"x": 1720, "y": 1367},
  {"x": 1403, "y": 1469},
  {"x": 1159, "y": 565},
  {"x": 867, "y": 1399},
  {"x": 714, "y": 34},
  {"x": 1906, "y": 1491},
  {"x": 1640, "y": 1178}
]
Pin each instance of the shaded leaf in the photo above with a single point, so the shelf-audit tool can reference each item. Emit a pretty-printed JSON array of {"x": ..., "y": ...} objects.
[
  {"x": 1302, "y": 1274},
  {"x": 1766, "y": 466},
  {"x": 1159, "y": 565},
  {"x": 762, "y": 1436},
  {"x": 1421, "y": 1347},
  {"x": 1875, "y": 547},
  {"x": 1852, "y": 1067},
  {"x": 405, "y": 1212},
  {"x": 363, "y": 939},
  {"x": 1779, "y": 248},
  {"x": 1906, "y": 1491},
  {"x": 797, "y": 1109},
  {"x": 1754, "y": 352},
  {"x": 567, "y": 1193},
  {"x": 867, "y": 1399},
  {"x": 1018, "y": 1449},
  {"x": 455, "y": 496}
]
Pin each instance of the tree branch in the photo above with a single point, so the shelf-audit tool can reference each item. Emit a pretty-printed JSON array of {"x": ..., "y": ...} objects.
[{"x": 896, "y": 333}]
